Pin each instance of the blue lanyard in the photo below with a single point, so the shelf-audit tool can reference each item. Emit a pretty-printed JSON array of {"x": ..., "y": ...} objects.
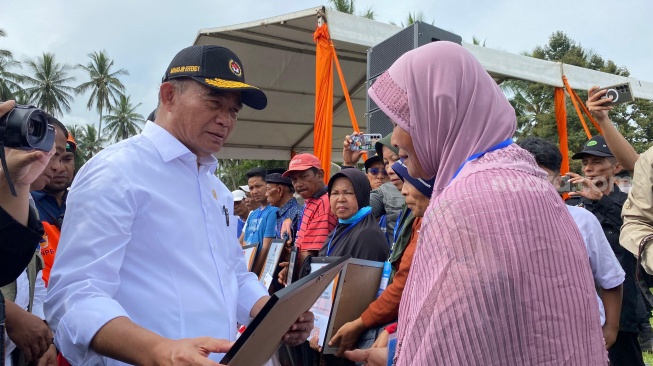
[
  {"x": 397, "y": 229},
  {"x": 329, "y": 249},
  {"x": 498, "y": 146}
]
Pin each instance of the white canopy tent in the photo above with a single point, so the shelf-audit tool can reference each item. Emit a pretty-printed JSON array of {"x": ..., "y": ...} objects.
[{"x": 278, "y": 54}]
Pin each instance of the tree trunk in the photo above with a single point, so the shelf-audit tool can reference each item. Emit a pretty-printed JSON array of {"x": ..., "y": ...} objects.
[{"x": 99, "y": 130}]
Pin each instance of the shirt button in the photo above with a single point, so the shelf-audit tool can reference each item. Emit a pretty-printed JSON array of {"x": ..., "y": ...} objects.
[{"x": 610, "y": 232}]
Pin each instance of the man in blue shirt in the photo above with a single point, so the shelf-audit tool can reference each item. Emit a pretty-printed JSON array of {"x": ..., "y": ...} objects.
[
  {"x": 51, "y": 200},
  {"x": 261, "y": 224},
  {"x": 279, "y": 192},
  {"x": 240, "y": 210}
]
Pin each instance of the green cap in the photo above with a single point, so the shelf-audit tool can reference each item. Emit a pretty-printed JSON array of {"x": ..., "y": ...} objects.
[{"x": 385, "y": 141}]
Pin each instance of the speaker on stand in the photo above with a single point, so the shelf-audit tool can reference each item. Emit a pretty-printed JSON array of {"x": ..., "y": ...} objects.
[{"x": 384, "y": 54}]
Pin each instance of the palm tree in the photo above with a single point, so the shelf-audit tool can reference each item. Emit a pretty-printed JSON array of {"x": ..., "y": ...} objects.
[
  {"x": 77, "y": 132},
  {"x": 89, "y": 142},
  {"x": 49, "y": 85},
  {"x": 124, "y": 122},
  {"x": 104, "y": 85},
  {"x": 349, "y": 7},
  {"x": 9, "y": 81}
]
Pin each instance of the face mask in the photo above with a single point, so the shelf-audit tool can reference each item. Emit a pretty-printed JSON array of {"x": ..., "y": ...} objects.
[{"x": 624, "y": 187}]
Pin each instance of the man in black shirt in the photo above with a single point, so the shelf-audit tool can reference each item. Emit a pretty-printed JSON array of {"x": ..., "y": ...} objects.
[{"x": 601, "y": 196}]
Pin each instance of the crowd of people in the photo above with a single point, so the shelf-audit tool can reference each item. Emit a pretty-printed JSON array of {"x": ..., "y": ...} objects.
[{"x": 495, "y": 255}]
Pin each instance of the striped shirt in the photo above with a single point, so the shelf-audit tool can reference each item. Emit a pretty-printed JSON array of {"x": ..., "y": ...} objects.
[{"x": 317, "y": 222}]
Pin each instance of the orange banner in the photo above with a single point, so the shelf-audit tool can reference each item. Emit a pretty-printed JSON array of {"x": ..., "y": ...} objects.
[
  {"x": 561, "y": 121},
  {"x": 323, "y": 131}
]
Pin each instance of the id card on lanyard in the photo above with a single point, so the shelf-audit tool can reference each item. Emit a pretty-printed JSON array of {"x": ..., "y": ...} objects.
[{"x": 387, "y": 266}]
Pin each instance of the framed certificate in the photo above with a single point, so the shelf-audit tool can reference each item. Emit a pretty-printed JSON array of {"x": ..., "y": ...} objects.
[
  {"x": 263, "y": 335},
  {"x": 250, "y": 253},
  {"x": 271, "y": 262},
  {"x": 351, "y": 292}
]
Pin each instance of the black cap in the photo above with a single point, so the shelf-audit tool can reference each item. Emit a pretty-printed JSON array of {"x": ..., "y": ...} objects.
[
  {"x": 596, "y": 146},
  {"x": 218, "y": 68},
  {"x": 276, "y": 178},
  {"x": 372, "y": 160}
]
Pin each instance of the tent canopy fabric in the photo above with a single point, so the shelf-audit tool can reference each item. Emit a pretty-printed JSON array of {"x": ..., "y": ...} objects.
[{"x": 278, "y": 55}]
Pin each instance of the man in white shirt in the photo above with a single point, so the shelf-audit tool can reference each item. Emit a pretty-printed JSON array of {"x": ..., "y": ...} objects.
[
  {"x": 606, "y": 270},
  {"x": 148, "y": 268}
]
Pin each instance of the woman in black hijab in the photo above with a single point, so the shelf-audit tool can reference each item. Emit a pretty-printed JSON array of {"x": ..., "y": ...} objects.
[{"x": 357, "y": 232}]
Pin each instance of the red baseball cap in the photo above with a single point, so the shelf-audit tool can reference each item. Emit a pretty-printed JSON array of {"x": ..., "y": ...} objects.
[{"x": 302, "y": 162}]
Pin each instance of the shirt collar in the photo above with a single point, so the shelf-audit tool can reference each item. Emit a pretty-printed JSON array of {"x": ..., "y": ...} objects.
[
  {"x": 287, "y": 206},
  {"x": 170, "y": 148},
  {"x": 321, "y": 192},
  {"x": 38, "y": 195}
]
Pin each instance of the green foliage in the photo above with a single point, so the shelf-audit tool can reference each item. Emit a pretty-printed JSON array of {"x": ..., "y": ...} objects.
[
  {"x": 49, "y": 84},
  {"x": 534, "y": 103},
  {"x": 349, "y": 7},
  {"x": 104, "y": 85},
  {"x": 124, "y": 122},
  {"x": 232, "y": 171},
  {"x": 89, "y": 142}
]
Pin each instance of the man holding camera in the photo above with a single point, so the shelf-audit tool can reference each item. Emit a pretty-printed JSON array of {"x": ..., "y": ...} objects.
[
  {"x": 21, "y": 232},
  {"x": 148, "y": 268},
  {"x": 601, "y": 196}
]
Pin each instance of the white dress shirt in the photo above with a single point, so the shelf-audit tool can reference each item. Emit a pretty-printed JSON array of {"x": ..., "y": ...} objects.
[
  {"x": 146, "y": 237},
  {"x": 606, "y": 270}
]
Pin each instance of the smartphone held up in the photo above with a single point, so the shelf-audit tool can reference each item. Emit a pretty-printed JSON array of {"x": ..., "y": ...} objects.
[
  {"x": 364, "y": 141},
  {"x": 620, "y": 94}
]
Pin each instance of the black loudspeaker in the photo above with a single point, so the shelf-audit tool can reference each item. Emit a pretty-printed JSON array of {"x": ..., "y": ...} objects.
[{"x": 384, "y": 54}]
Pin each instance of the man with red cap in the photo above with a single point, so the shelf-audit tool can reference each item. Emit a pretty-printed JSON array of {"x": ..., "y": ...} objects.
[{"x": 307, "y": 175}]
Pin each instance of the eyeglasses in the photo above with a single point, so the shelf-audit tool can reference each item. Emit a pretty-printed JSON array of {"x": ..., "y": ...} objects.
[{"x": 376, "y": 171}]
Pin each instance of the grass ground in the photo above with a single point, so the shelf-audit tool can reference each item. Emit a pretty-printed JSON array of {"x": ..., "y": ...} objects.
[{"x": 648, "y": 358}]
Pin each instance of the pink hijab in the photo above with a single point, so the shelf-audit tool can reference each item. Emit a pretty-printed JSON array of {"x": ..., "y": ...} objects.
[
  {"x": 500, "y": 275},
  {"x": 461, "y": 109}
]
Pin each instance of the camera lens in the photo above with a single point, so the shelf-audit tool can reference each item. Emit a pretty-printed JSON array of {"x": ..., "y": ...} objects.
[{"x": 36, "y": 127}]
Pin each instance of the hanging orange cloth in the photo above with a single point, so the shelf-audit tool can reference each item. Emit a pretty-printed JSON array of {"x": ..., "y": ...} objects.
[
  {"x": 561, "y": 121},
  {"x": 575, "y": 99},
  {"x": 323, "y": 130}
]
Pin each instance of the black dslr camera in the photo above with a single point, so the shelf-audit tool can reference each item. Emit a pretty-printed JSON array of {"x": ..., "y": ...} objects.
[{"x": 26, "y": 128}]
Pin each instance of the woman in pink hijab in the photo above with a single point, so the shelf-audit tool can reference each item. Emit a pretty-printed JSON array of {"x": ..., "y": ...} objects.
[{"x": 500, "y": 275}]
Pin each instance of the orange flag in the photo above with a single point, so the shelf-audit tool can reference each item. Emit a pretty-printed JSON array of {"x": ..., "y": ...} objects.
[{"x": 323, "y": 131}]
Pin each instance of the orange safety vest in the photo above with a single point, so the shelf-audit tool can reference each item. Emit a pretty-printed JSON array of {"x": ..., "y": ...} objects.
[{"x": 49, "y": 248}]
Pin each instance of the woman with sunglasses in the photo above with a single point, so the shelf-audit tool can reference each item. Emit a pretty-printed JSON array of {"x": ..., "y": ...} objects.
[{"x": 376, "y": 172}]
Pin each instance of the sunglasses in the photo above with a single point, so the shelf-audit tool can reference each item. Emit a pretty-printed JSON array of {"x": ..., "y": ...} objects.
[{"x": 376, "y": 171}]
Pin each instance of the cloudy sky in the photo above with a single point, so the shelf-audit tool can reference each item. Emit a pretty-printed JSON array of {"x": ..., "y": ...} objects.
[{"x": 142, "y": 36}]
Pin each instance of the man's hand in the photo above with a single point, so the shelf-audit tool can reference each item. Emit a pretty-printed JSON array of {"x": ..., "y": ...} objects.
[
  {"x": 286, "y": 229},
  {"x": 382, "y": 340},
  {"x": 283, "y": 274},
  {"x": 371, "y": 356},
  {"x": 29, "y": 332},
  {"x": 597, "y": 106},
  {"x": 189, "y": 351},
  {"x": 347, "y": 336},
  {"x": 589, "y": 190},
  {"x": 610, "y": 336},
  {"x": 349, "y": 156},
  {"x": 299, "y": 331},
  {"x": 49, "y": 358},
  {"x": 25, "y": 166}
]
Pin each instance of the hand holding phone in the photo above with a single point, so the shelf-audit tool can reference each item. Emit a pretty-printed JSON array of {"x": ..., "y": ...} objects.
[
  {"x": 620, "y": 93},
  {"x": 364, "y": 141},
  {"x": 566, "y": 186}
]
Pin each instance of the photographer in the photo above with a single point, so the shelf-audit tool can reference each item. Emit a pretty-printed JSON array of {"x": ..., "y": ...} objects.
[
  {"x": 623, "y": 151},
  {"x": 20, "y": 234},
  {"x": 20, "y": 229}
]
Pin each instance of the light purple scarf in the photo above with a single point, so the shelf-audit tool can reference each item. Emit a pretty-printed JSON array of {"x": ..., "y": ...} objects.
[{"x": 500, "y": 275}]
